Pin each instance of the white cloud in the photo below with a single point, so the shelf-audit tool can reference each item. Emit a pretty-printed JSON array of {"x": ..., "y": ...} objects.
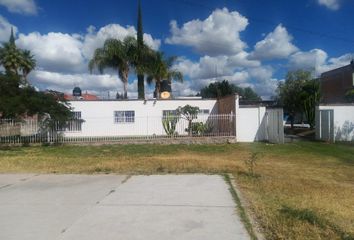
[
  {"x": 219, "y": 34},
  {"x": 311, "y": 60},
  {"x": 61, "y": 81},
  {"x": 5, "y": 29},
  {"x": 317, "y": 60},
  {"x": 93, "y": 39},
  {"x": 263, "y": 82},
  {"x": 62, "y": 59},
  {"x": 330, "y": 4},
  {"x": 210, "y": 69},
  {"x": 241, "y": 59},
  {"x": 55, "y": 51},
  {"x": 27, "y": 7},
  {"x": 62, "y": 52},
  {"x": 276, "y": 45}
]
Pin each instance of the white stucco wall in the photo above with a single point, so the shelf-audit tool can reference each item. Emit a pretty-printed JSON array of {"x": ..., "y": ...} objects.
[
  {"x": 249, "y": 124},
  {"x": 99, "y": 116},
  {"x": 343, "y": 122}
]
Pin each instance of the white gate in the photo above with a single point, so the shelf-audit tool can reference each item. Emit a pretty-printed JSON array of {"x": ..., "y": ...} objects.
[{"x": 325, "y": 125}]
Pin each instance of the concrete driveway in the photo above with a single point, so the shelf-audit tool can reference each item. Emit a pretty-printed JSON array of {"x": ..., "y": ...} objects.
[{"x": 105, "y": 207}]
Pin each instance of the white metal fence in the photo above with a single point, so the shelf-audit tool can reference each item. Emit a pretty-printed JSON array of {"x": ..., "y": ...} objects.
[{"x": 111, "y": 129}]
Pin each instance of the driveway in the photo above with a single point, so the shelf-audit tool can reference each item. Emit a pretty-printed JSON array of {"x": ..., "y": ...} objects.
[{"x": 105, "y": 207}]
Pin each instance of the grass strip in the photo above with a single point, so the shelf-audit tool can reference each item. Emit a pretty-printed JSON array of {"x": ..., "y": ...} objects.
[{"x": 244, "y": 218}]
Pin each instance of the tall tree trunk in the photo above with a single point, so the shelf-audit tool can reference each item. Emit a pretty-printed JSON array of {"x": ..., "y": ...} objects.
[
  {"x": 125, "y": 83},
  {"x": 140, "y": 40},
  {"x": 141, "y": 87},
  {"x": 158, "y": 88}
]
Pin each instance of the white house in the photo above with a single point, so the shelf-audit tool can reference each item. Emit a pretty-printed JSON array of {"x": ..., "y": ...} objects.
[{"x": 134, "y": 118}]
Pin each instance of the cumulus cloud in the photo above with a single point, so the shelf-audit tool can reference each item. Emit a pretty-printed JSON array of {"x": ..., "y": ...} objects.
[
  {"x": 27, "y": 7},
  {"x": 210, "y": 69},
  {"x": 311, "y": 60},
  {"x": 276, "y": 45},
  {"x": 330, "y": 4},
  {"x": 5, "y": 29},
  {"x": 62, "y": 58},
  {"x": 55, "y": 51},
  {"x": 101, "y": 85},
  {"x": 219, "y": 34},
  {"x": 95, "y": 39},
  {"x": 68, "y": 81},
  {"x": 317, "y": 60},
  {"x": 263, "y": 81},
  {"x": 62, "y": 52}
]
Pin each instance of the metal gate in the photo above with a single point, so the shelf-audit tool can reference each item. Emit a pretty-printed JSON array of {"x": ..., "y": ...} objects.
[
  {"x": 274, "y": 125},
  {"x": 325, "y": 125}
]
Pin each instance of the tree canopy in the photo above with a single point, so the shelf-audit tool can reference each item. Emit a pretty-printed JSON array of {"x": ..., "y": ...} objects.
[
  {"x": 121, "y": 56},
  {"x": 16, "y": 61},
  {"x": 300, "y": 93},
  {"x": 17, "y": 98},
  {"x": 224, "y": 88},
  {"x": 160, "y": 68},
  {"x": 17, "y": 102}
]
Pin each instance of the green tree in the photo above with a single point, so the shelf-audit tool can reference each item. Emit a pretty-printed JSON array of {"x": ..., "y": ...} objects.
[
  {"x": 16, "y": 61},
  {"x": 349, "y": 95},
  {"x": 117, "y": 55},
  {"x": 17, "y": 102},
  {"x": 161, "y": 68},
  {"x": 298, "y": 94},
  {"x": 224, "y": 88},
  {"x": 28, "y": 64},
  {"x": 310, "y": 97},
  {"x": 188, "y": 113}
]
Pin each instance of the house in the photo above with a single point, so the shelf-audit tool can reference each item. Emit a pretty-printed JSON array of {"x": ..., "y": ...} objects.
[
  {"x": 335, "y": 115},
  {"x": 147, "y": 118},
  {"x": 78, "y": 95}
]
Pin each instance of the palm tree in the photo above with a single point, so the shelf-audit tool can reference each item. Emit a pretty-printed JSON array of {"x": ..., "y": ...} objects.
[
  {"x": 117, "y": 55},
  {"x": 121, "y": 56},
  {"x": 28, "y": 64},
  {"x": 11, "y": 58},
  {"x": 160, "y": 68},
  {"x": 16, "y": 61}
]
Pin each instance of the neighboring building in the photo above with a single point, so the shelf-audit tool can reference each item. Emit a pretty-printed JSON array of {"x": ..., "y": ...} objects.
[
  {"x": 335, "y": 115},
  {"x": 78, "y": 95},
  {"x": 335, "y": 122},
  {"x": 336, "y": 83}
]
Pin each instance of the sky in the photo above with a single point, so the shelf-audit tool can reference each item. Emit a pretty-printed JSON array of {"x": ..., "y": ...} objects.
[{"x": 251, "y": 43}]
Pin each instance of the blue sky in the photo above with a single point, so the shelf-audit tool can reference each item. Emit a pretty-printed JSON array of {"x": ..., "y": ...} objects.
[{"x": 248, "y": 42}]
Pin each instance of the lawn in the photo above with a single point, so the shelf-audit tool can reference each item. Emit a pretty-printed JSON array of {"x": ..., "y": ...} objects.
[{"x": 294, "y": 191}]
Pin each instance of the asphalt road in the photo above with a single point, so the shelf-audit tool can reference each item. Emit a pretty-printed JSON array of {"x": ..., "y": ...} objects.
[{"x": 105, "y": 207}]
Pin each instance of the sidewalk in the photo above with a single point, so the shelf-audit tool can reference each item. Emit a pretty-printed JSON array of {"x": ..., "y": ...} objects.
[{"x": 108, "y": 207}]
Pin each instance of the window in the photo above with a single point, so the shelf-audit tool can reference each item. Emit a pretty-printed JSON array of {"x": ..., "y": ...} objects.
[
  {"x": 169, "y": 112},
  {"x": 75, "y": 124},
  {"x": 124, "y": 116},
  {"x": 204, "y": 111}
]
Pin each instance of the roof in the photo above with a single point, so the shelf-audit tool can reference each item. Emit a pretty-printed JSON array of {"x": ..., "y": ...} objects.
[{"x": 83, "y": 97}]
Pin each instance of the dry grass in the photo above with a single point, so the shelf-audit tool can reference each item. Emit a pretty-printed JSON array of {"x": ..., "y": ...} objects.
[{"x": 296, "y": 191}]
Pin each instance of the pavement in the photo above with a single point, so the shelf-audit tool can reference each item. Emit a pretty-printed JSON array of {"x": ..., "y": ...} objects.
[{"x": 107, "y": 207}]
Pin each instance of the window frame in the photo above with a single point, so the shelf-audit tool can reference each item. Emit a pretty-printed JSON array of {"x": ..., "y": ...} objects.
[{"x": 124, "y": 117}]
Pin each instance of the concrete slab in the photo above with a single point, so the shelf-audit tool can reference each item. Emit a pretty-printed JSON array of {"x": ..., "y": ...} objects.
[
  {"x": 44, "y": 206},
  {"x": 7, "y": 180},
  {"x": 78, "y": 207},
  {"x": 157, "y": 223},
  {"x": 178, "y": 190}
]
